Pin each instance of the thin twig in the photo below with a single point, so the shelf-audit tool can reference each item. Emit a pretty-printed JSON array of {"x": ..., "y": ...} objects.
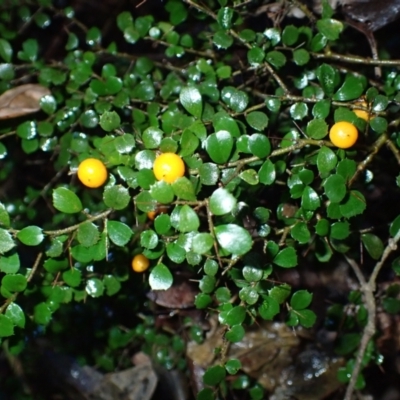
[{"x": 368, "y": 288}]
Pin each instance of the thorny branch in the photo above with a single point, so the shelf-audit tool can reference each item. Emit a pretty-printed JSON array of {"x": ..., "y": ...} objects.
[{"x": 368, "y": 289}]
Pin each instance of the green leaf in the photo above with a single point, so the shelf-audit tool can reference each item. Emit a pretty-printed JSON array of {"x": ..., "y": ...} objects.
[
  {"x": 330, "y": 28},
  {"x": 280, "y": 293},
  {"x": 301, "y": 57},
  {"x": 6, "y": 241},
  {"x": 209, "y": 174},
  {"x": 351, "y": 89},
  {"x": 109, "y": 121},
  {"x": 160, "y": 277},
  {"x": 255, "y": 56},
  {"x": 145, "y": 202},
  {"x": 252, "y": 274},
  {"x": 267, "y": 173},
  {"x": 224, "y": 17},
  {"x": 16, "y": 315},
  {"x": 6, "y": 50},
  {"x": 335, "y": 188},
  {"x": 321, "y": 109},
  {"x": 219, "y": 146},
  {"x": 66, "y": 201},
  {"x": 117, "y": 197},
  {"x": 328, "y": 78},
  {"x": 301, "y": 233},
  {"x": 274, "y": 35},
  {"x": 286, "y": 258},
  {"x": 269, "y": 308},
  {"x": 72, "y": 277},
  {"x": 317, "y": 129},
  {"x": 235, "y": 334},
  {"x": 373, "y": 244},
  {"x": 119, "y": 233},
  {"x": 88, "y": 234},
  {"x": 257, "y": 120},
  {"x": 235, "y": 316},
  {"x": 202, "y": 243},
  {"x": 326, "y": 160},
  {"x": 206, "y": 394},
  {"x": 259, "y": 145},
  {"x": 301, "y": 299},
  {"x": 276, "y": 58},
  {"x": 149, "y": 239},
  {"x": 379, "y": 124},
  {"x": 188, "y": 219},
  {"x": 214, "y": 375},
  {"x": 222, "y": 39},
  {"x": 232, "y": 366},
  {"x": 236, "y": 99},
  {"x": 111, "y": 284},
  {"x": 9, "y": 264},
  {"x": 94, "y": 287},
  {"x": 190, "y": 98},
  {"x": 54, "y": 266},
  {"x": 161, "y": 192},
  {"x": 42, "y": 314},
  {"x": 310, "y": 199},
  {"x": 354, "y": 204},
  {"x": 31, "y": 235},
  {"x": 207, "y": 284},
  {"x": 222, "y": 202},
  {"x": 14, "y": 283},
  {"x": 249, "y": 295},
  {"x": 340, "y": 230},
  {"x": 183, "y": 189},
  {"x": 4, "y": 216},
  {"x": 307, "y": 318},
  {"x": 290, "y": 35},
  {"x": 299, "y": 110},
  {"x": 6, "y": 326},
  {"x": 234, "y": 239}
]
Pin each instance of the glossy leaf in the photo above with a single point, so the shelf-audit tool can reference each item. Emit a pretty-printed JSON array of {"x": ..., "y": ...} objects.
[
  {"x": 234, "y": 239},
  {"x": 16, "y": 315},
  {"x": 214, "y": 375},
  {"x": 222, "y": 202},
  {"x": 286, "y": 258},
  {"x": 219, "y": 146},
  {"x": 117, "y": 197},
  {"x": 191, "y": 100},
  {"x": 119, "y": 233},
  {"x": 6, "y": 326},
  {"x": 373, "y": 245},
  {"x": 66, "y": 201},
  {"x": 160, "y": 277},
  {"x": 31, "y": 235}
]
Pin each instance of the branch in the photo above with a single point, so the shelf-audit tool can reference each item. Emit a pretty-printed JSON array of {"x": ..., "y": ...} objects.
[{"x": 368, "y": 288}]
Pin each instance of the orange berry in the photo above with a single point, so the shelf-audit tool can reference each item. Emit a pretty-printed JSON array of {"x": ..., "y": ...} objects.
[
  {"x": 92, "y": 172},
  {"x": 140, "y": 263},
  {"x": 159, "y": 210},
  {"x": 343, "y": 134},
  {"x": 168, "y": 167},
  {"x": 151, "y": 215},
  {"x": 362, "y": 113}
]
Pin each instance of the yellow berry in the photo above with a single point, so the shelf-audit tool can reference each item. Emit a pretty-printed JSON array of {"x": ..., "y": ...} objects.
[
  {"x": 140, "y": 263},
  {"x": 92, "y": 172},
  {"x": 362, "y": 113},
  {"x": 159, "y": 210},
  {"x": 343, "y": 134},
  {"x": 168, "y": 167}
]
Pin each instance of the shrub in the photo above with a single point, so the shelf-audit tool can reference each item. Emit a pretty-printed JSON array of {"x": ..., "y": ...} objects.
[{"x": 247, "y": 103}]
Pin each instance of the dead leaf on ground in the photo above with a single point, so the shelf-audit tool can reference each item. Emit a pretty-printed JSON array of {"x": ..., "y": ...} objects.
[{"x": 22, "y": 100}]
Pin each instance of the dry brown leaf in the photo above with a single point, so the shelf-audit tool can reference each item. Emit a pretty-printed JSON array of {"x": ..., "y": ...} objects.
[{"x": 21, "y": 100}]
